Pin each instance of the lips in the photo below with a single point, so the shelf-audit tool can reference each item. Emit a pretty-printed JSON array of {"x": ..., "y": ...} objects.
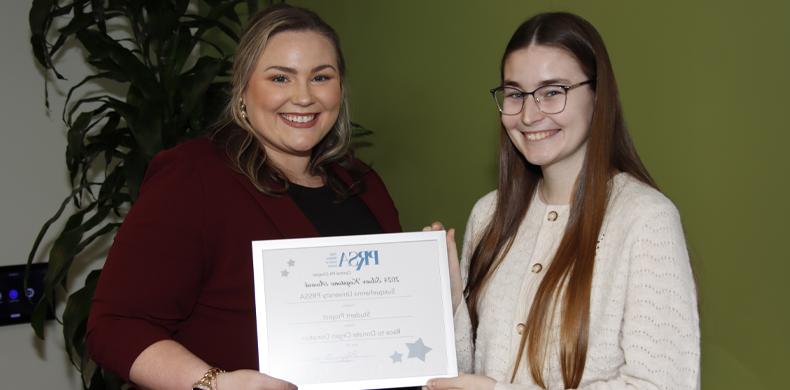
[
  {"x": 301, "y": 120},
  {"x": 540, "y": 135}
]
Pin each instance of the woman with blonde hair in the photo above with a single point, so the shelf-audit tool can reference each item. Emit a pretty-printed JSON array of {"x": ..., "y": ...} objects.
[{"x": 174, "y": 308}]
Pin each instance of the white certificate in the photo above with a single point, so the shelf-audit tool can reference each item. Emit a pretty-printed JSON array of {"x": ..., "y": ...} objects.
[{"x": 354, "y": 312}]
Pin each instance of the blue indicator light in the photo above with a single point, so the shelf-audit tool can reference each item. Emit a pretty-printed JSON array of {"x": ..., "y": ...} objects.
[{"x": 13, "y": 294}]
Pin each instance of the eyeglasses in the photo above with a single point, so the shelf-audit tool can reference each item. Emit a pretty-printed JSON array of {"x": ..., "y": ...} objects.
[{"x": 550, "y": 99}]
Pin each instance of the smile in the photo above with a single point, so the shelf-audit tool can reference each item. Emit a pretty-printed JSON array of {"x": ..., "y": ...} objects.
[
  {"x": 298, "y": 118},
  {"x": 540, "y": 135}
]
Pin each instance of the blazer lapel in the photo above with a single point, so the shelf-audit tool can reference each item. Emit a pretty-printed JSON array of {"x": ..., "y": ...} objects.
[
  {"x": 376, "y": 199},
  {"x": 290, "y": 221},
  {"x": 285, "y": 215}
]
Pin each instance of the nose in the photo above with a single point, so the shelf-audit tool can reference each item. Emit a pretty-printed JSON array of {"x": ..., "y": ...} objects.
[
  {"x": 302, "y": 94},
  {"x": 530, "y": 113}
]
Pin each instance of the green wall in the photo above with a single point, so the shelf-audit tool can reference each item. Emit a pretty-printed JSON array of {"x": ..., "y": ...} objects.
[{"x": 704, "y": 85}]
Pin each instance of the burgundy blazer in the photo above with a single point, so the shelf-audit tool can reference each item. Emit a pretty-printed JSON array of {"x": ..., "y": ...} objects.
[{"x": 180, "y": 267}]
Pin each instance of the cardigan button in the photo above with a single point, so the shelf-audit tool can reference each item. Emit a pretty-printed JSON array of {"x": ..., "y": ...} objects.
[
  {"x": 537, "y": 267},
  {"x": 520, "y": 328},
  {"x": 552, "y": 216}
]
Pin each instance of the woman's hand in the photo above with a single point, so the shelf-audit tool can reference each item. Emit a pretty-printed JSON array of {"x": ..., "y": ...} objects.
[
  {"x": 462, "y": 382},
  {"x": 250, "y": 380},
  {"x": 166, "y": 364},
  {"x": 456, "y": 288}
]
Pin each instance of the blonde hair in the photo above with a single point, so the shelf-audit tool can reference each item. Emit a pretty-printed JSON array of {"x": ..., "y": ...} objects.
[{"x": 235, "y": 132}]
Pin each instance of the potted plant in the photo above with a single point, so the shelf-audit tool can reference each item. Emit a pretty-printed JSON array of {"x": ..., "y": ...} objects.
[{"x": 170, "y": 58}]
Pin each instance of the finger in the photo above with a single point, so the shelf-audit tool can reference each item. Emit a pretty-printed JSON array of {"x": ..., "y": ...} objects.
[
  {"x": 271, "y": 383},
  {"x": 444, "y": 383},
  {"x": 452, "y": 252},
  {"x": 434, "y": 226},
  {"x": 452, "y": 248}
]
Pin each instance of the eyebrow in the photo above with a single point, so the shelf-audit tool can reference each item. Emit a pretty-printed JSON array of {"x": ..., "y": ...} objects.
[
  {"x": 288, "y": 70},
  {"x": 511, "y": 83},
  {"x": 554, "y": 81}
]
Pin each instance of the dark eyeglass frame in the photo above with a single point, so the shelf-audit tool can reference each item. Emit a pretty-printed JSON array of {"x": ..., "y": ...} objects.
[{"x": 567, "y": 88}]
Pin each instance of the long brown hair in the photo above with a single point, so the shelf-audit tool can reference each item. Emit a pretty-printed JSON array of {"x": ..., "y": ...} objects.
[
  {"x": 568, "y": 279},
  {"x": 236, "y": 134}
]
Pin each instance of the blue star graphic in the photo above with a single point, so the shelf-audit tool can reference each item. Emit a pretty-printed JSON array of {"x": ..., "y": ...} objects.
[
  {"x": 418, "y": 349},
  {"x": 396, "y": 357}
]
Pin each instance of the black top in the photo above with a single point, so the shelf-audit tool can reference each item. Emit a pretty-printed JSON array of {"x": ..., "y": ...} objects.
[{"x": 330, "y": 217}]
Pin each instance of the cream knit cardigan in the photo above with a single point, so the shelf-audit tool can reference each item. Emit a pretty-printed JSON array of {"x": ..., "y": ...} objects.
[{"x": 644, "y": 326}]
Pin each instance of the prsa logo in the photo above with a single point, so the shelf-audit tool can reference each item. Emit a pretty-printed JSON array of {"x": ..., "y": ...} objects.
[{"x": 358, "y": 259}]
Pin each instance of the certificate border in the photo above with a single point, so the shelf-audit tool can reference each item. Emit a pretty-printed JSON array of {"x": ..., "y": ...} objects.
[{"x": 259, "y": 247}]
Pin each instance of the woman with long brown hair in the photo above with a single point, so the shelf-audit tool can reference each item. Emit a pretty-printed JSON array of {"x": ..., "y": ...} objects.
[{"x": 574, "y": 273}]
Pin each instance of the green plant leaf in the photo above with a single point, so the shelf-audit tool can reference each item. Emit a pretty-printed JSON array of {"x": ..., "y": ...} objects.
[
  {"x": 162, "y": 19},
  {"x": 97, "y": 380},
  {"x": 174, "y": 54},
  {"x": 181, "y": 6},
  {"x": 196, "y": 81},
  {"x": 215, "y": 13},
  {"x": 39, "y": 20},
  {"x": 108, "y": 138},
  {"x": 108, "y": 228},
  {"x": 115, "y": 76},
  {"x": 39, "y": 16},
  {"x": 74, "y": 144},
  {"x": 146, "y": 128},
  {"x": 205, "y": 24},
  {"x": 32, "y": 255},
  {"x": 252, "y": 7},
  {"x": 78, "y": 22},
  {"x": 112, "y": 184},
  {"x": 108, "y": 102},
  {"x": 358, "y": 130},
  {"x": 97, "y": 8},
  {"x": 134, "y": 167},
  {"x": 105, "y": 380},
  {"x": 45, "y": 303},
  {"x": 217, "y": 95},
  {"x": 102, "y": 47},
  {"x": 39, "y": 316},
  {"x": 124, "y": 109},
  {"x": 75, "y": 315},
  {"x": 64, "y": 249},
  {"x": 100, "y": 214}
]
